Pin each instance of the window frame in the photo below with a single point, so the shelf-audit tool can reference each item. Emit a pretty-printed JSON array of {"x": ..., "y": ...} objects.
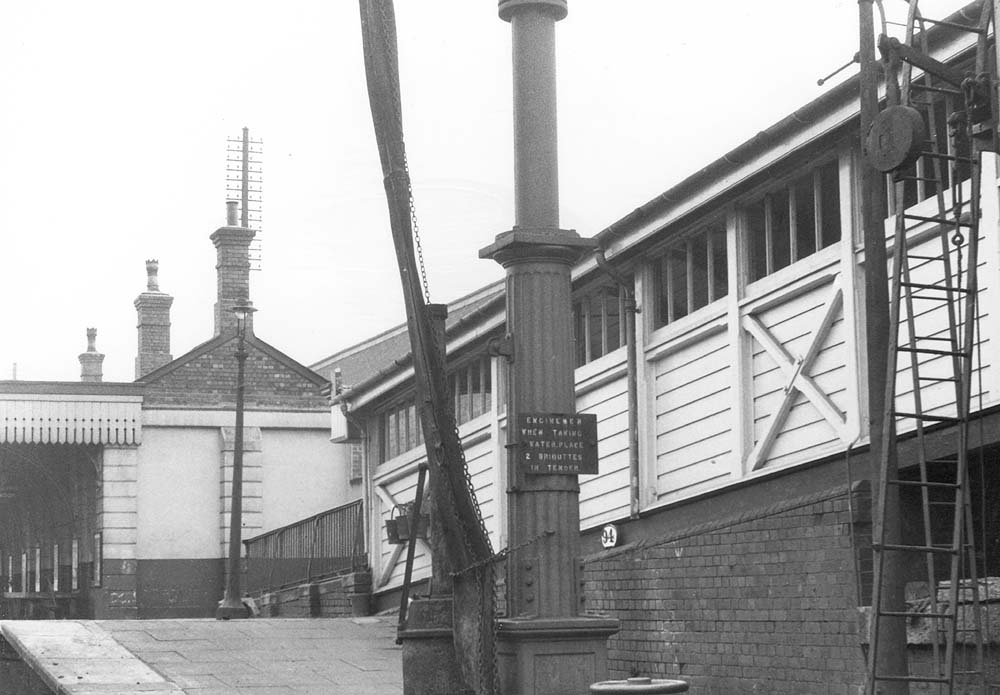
[
  {"x": 716, "y": 267},
  {"x": 786, "y": 187},
  {"x": 398, "y": 425},
  {"x": 583, "y": 316}
]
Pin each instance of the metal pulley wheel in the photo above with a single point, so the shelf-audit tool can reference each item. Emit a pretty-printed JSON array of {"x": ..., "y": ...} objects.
[
  {"x": 896, "y": 138},
  {"x": 642, "y": 684}
]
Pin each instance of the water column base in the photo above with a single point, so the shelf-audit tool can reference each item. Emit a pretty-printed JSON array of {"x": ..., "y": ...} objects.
[{"x": 554, "y": 656}]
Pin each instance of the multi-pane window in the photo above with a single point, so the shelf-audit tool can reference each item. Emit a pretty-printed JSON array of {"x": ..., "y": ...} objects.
[
  {"x": 470, "y": 386},
  {"x": 691, "y": 274},
  {"x": 74, "y": 565},
  {"x": 400, "y": 429},
  {"x": 599, "y": 323},
  {"x": 471, "y": 389},
  {"x": 794, "y": 221},
  {"x": 97, "y": 568},
  {"x": 55, "y": 567}
]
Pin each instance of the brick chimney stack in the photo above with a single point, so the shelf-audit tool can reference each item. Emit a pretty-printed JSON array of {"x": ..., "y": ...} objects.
[
  {"x": 232, "y": 268},
  {"x": 153, "y": 309},
  {"x": 91, "y": 361}
]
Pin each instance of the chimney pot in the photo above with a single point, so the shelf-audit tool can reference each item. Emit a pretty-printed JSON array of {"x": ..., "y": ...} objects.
[
  {"x": 153, "y": 316},
  {"x": 152, "y": 281},
  {"x": 91, "y": 361},
  {"x": 232, "y": 212}
]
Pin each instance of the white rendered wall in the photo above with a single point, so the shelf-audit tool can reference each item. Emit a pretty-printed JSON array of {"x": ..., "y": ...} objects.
[
  {"x": 178, "y": 489},
  {"x": 303, "y": 474}
]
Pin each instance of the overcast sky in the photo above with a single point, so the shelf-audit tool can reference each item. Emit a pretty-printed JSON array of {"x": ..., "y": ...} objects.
[{"x": 114, "y": 118}]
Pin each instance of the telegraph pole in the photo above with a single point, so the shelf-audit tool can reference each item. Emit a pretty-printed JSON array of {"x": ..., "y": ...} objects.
[
  {"x": 545, "y": 644},
  {"x": 891, "y": 658}
]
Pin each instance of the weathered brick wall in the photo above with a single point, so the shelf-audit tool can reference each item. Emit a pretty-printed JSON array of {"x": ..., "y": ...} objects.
[
  {"x": 209, "y": 381},
  {"x": 765, "y": 602},
  {"x": 343, "y": 596}
]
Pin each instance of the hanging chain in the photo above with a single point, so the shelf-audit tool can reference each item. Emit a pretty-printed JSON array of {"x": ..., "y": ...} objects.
[
  {"x": 488, "y": 670},
  {"x": 502, "y": 555},
  {"x": 393, "y": 57},
  {"x": 489, "y": 673},
  {"x": 416, "y": 233},
  {"x": 390, "y": 49}
]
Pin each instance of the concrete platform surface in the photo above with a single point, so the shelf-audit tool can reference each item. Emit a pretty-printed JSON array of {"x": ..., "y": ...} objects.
[{"x": 320, "y": 656}]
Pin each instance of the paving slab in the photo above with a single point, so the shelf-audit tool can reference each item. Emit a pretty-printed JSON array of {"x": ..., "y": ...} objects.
[
  {"x": 77, "y": 658},
  {"x": 309, "y": 656}
]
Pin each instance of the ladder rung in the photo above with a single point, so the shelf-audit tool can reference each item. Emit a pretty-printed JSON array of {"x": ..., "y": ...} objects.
[
  {"x": 915, "y": 548},
  {"x": 931, "y": 297},
  {"x": 921, "y": 483},
  {"x": 929, "y": 418},
  {"x": 937, "y": 378},
  {"x": 939, "y": 220},
  {"x": 940, "y": 288},
  {"x": 926, "y": 179},
  {"x": 914, "y": 679},
  {"x": 949, "y": 157},
  {"x": 931, "y": 351},
  {"x": 953, "y": 25},
  {"x": 925, "y": 258},
  {"x": 915, "y": 614},
  {"x": 939, "y": 90}
]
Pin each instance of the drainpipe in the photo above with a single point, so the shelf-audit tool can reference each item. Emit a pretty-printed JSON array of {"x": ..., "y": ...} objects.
[
  {"x": 341, "y": 395},
  {"x": 633, "y": 386}
]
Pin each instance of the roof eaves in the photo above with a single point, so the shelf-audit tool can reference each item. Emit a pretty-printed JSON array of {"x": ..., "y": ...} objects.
[
  {"x": 72, "y": 388},
  {"x": 766, "y": 140}
]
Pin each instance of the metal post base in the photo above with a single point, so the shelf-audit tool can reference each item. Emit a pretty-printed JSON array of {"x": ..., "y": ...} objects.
[
  {"x": 231, "y": 610},
  {"x": 553, "y": 656},
  {"x": 429, "y": 663}
]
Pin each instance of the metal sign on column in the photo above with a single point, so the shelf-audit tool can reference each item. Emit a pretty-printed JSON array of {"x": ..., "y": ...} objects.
[{"x": 550, "y": 443}]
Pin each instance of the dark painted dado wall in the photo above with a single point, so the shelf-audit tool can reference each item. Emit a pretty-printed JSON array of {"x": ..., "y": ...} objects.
[
  {"x": 765, "y": 600},
  {"x": 179, "y": 588}
]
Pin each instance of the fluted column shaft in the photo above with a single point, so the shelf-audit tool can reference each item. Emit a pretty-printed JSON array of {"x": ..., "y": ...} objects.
[
  {"x": 542, "y": 578},
  {"x": 543, "y": 514}
]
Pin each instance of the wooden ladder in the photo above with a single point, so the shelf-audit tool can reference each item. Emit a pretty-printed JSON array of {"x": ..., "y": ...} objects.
[{"x": 937, "y": 357}]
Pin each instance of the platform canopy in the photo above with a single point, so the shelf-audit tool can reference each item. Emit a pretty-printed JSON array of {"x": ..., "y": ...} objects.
[{"x": 70, "y": 413}]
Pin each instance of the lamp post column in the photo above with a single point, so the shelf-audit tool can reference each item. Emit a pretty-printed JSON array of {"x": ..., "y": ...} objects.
[
  {"x": 232, "y": 605},
  {"x": 545, "y": 645}
]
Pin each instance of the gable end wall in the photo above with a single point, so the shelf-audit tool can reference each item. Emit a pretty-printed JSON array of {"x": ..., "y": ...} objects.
[{"x": 209, "y": 381}]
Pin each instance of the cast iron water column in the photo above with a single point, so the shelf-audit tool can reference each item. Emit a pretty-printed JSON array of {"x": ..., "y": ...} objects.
[{"x": 545, "y": 645}]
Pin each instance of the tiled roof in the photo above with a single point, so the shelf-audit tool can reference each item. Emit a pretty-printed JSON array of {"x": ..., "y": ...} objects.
[{"x": 391, "y": 349}]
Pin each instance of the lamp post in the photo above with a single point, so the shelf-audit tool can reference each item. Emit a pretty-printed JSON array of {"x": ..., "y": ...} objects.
[{"x": 231, "y": 605}]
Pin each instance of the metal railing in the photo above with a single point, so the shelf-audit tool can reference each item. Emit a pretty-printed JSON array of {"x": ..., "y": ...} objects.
[{"x": 321, "y": 546}]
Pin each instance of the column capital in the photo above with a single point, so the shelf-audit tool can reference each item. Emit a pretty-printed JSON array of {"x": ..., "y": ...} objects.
[
  {"x": 523, "y": 244},
  {"x": 508, "y": 8}
]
